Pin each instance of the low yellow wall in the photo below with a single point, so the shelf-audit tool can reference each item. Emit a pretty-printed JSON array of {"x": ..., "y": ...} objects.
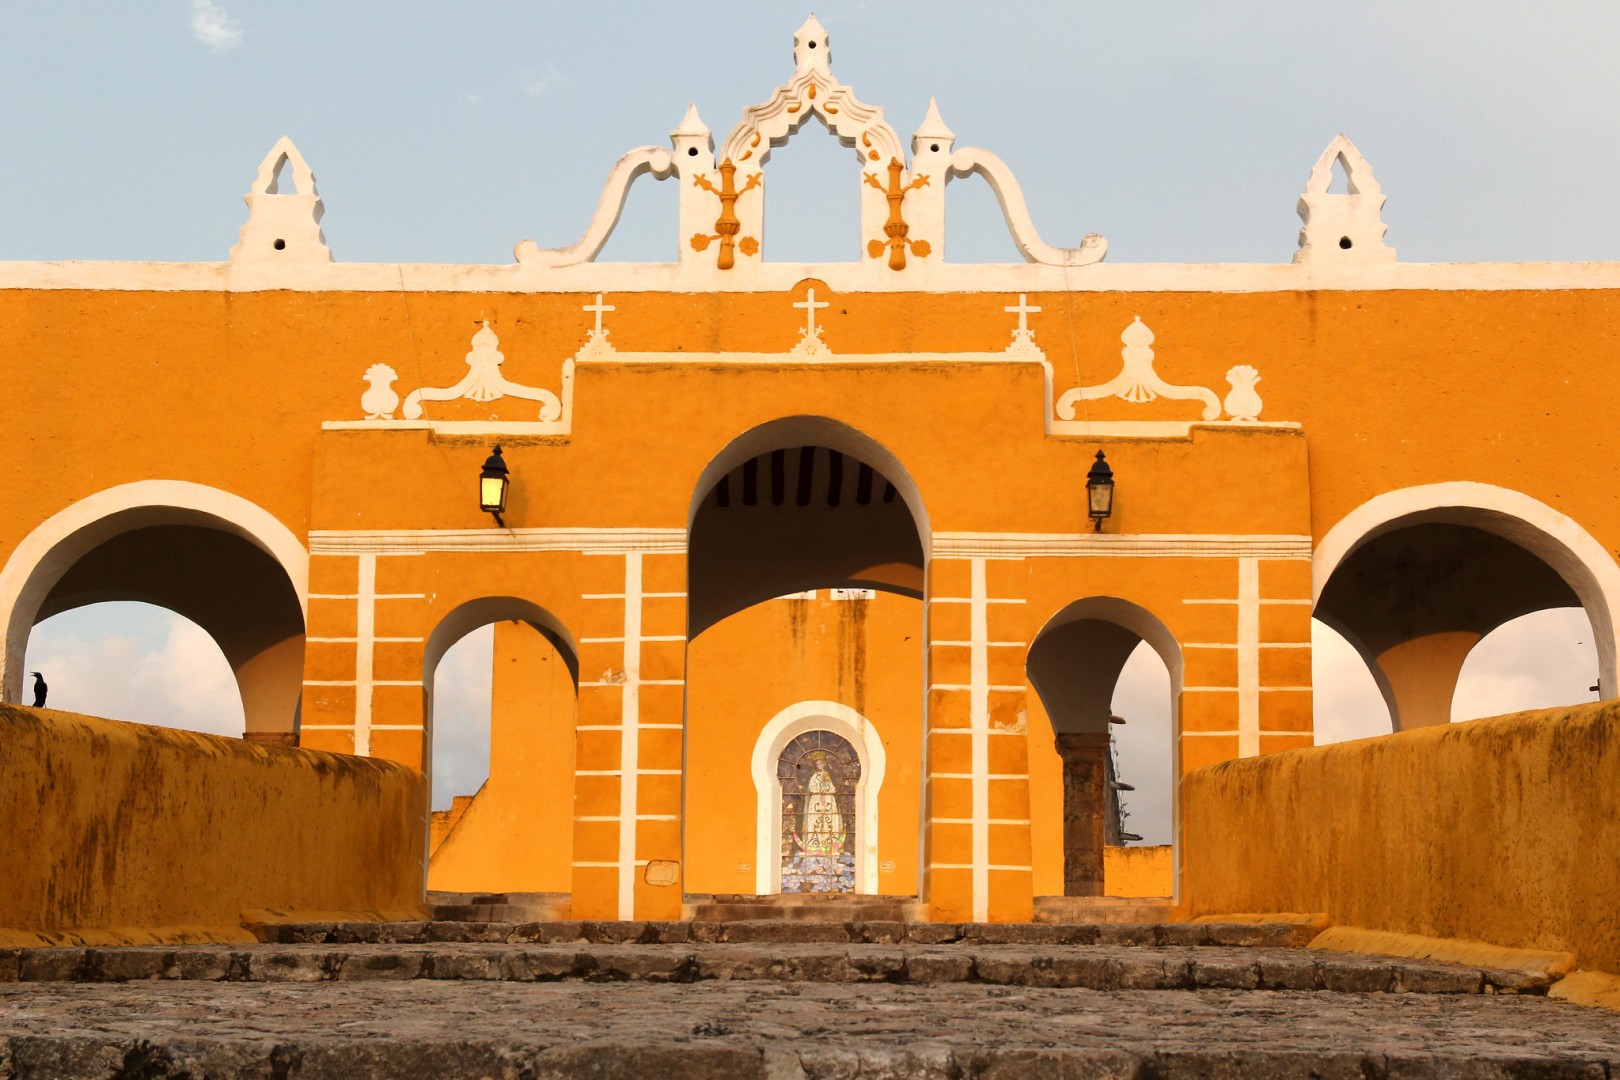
[
  {"x": 1504, "y": 830},
  {"x": 1139, "y": 872},
  {"x": 120, "y": 826}
]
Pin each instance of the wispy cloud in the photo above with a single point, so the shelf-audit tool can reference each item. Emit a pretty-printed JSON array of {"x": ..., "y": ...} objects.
[
  {"x": 541, "y": 81},
  {"x": 215, "y": 29},
  {"x": 167, "y": 671}
]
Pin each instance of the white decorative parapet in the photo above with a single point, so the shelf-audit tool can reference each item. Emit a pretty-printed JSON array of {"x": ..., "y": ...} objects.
[
  {"x": 283, "y": 229},
  {"x": 643, "y": 159},
  {"x": 722, "y": 197},
  {"x": 1138, "y": 382},
  {"x": 970, "y": 160},
  {"x": 1344, "y": 229}
]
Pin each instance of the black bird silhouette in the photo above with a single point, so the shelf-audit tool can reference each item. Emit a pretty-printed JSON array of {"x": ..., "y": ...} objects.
[{"x": 39, "y": 690}]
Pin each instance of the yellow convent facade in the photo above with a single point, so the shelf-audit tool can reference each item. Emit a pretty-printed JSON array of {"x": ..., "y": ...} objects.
[{"x": 796, "y": 586}]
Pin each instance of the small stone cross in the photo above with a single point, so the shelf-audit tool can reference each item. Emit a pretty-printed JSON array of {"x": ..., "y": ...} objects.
[
  {"x": 810, "y": 307},
  {"x": 600, "y": 307},
  {"x": 1024, "y": 311}
]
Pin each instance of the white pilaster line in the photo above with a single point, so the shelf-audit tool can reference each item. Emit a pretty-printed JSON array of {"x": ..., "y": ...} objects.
[
  {"x": 629, "y": 742},
  {"x": 979, "y": 724},
  {"x": 365, "y": 632},
  {"x": 1248, "y": 657}
]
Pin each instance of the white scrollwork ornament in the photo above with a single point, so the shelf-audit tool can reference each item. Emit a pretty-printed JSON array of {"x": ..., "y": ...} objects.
[{"x": 484, "y": 382}]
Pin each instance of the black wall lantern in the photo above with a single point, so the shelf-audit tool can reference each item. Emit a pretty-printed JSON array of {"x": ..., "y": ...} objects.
[
  {"x": 492, "y": 484},
  {"x": 1100, "y": 491}
]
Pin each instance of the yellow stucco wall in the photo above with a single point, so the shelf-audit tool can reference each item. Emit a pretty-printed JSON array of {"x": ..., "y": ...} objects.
[
  {"x": 116, "y": 825},
  {"x": 865, "y": 654},
  {"x": 1501, "y": 830},
  {"x": 1139, "y": 871},
  {"x": 1363, "y": 372}
]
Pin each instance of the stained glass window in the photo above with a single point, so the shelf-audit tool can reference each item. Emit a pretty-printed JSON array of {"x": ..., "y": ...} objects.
[{"x": 818, "y": 772}]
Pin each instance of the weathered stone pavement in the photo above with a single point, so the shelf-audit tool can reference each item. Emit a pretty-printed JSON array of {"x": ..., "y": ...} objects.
[
  {"x": 778, "y": 1030},
  {"x": 779, "y": 1000},
  {"x": 1095, "y": 967}
]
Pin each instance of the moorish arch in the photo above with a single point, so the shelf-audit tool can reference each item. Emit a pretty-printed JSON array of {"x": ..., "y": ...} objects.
[
  {"x": 212, "y": 557},
  {"x": 1414, "y": 579},
  {"x": 1074, "y": 665}
]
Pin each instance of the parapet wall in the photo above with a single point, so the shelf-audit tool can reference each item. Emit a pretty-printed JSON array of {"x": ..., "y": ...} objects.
[
  {"x": 1503, "y": 830},
  {"x": 125, "y": 827}
]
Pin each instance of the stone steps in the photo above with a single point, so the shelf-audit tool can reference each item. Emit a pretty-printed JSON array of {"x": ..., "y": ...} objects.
[
  {"x": 800, "y": 907},
  {"x": 499, "y": 907},
  {"x": 1108, "y": 968},
  {"x": 750, "y": 931},
  {"x": 742, "y": 1030},
  {"x": 1104, "y": 909}
]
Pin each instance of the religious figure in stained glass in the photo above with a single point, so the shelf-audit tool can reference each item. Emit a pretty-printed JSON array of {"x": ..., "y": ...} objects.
[{"x": 818, "y": 772}]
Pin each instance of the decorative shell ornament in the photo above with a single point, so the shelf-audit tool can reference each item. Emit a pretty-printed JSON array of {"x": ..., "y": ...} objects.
[
  {"x": 379, "y": 401},
  {"x": 1243, "y": 401}
]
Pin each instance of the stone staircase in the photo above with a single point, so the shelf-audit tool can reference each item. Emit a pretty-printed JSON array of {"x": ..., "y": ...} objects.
[
  {"x": 729, "y": 993},
  {"x": 1105, "y": 909}
]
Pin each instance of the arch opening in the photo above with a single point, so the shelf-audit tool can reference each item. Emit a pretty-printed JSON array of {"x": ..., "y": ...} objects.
[
  {"x": 812, "y": 197},
  {"x": 805, "y": 582},
  {"x": 1076, "y": 664},
  {"x": 500, "y": 684},
  {"x": 798, "y": 504},
  {"x": 249, "y": 581},
  {"x": 214, "y": 560},
  {"x": 1415, "y": 580}
]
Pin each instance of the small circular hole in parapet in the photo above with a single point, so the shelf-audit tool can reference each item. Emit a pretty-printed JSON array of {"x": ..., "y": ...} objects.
[
  {"x": 1344, "y": 242},
  {"x": 691, "y": 151},
  {"x": 281, "y": 245},
  {"x": 934, "y": 147},
  {"x": 812, "y": 44}
]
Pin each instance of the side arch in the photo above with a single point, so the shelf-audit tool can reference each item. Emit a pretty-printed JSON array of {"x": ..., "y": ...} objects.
[
  {"x": 1074, "y": 665},
  {"x": 1571, "y": 552},
  {"x": 52, "y": 548},
  {"x": 782, "y": 729}
]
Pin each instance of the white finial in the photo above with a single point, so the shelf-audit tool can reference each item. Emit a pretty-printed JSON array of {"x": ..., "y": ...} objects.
[
  {"x": 810, "y": 49},
  {"x": 933, "y": 125},
  {"x": 691, "y": 124},
  {"x": 691, "y": 138},
  {"x": 932, "y": 136}
]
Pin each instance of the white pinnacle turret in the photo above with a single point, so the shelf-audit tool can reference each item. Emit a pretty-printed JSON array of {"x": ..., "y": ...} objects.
[
  {"x": 692, "y": 134},
  {"x": 810, "y": 49},
  {"x": 932, "y": 132}
]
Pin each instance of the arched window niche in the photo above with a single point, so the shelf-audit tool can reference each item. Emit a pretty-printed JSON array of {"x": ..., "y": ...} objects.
[{"x": 818, "y": 768}]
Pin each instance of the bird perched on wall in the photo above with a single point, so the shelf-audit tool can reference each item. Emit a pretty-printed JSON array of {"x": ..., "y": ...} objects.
[{"x": 39, "y": 690}]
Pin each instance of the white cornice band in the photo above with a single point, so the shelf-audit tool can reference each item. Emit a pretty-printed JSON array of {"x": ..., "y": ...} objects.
[
  {"x": 412, "y": 541},
  {"x": 869, "y": 276},
  {"x": 944, "y": 545},
  {"x": 964, "y": 545}
]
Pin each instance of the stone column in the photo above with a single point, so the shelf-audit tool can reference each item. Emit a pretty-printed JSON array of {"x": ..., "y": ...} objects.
[{"x": 1084, "y": 803}]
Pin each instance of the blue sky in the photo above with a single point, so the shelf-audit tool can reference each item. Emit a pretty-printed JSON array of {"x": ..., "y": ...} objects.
[{"x": 1182, "y": 131}]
